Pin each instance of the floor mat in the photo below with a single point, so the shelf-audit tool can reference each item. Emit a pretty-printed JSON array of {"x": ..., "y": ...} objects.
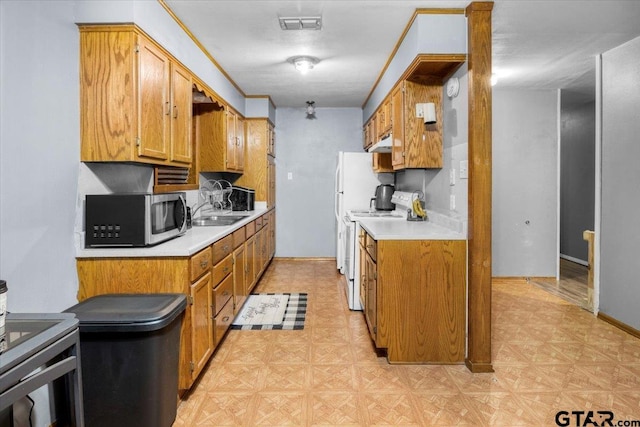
[{"x": 258, "y": 312}]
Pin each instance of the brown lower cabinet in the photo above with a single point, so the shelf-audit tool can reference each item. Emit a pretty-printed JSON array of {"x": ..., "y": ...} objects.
[
  {"x": 216, "y": 282},
  {"x": 413, "y": 294}
]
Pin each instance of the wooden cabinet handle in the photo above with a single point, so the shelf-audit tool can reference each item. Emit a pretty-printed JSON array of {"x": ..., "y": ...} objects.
[
  {"x": 225, "y": 319},
  {"x": 175, "y": 111},
  {"x": 168, "y": 108},
  {"x": 225, "y": 269},
  {"x": 204, "y": 263},
  {"x": 225, "y": 293}
]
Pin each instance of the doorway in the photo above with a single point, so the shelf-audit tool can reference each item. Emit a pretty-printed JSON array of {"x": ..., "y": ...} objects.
[
  {"x": 577, "y": 160},
  {"x": 571, "y": 285}
]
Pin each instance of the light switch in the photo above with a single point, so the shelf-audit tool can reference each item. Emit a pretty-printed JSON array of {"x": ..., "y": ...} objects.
[
  {"x": 464, "y": 169},
  {"x": 452, "y": 177},
  {"x": 452, "y": 202},
  {"x": 289, "y": 176}
]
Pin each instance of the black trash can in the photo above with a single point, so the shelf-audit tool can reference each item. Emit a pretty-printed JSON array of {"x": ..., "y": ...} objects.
[{"x": 129, "y": 351}]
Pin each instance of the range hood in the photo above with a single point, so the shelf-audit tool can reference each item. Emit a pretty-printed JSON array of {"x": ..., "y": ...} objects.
[{"x": 382, "y": 146}]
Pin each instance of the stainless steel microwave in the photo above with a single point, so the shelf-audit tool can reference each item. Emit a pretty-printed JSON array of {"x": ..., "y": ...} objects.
[{"x": 134, "y": 219}]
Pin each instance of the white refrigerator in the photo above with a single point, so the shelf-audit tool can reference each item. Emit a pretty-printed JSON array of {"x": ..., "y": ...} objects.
[{"x": 355, "y": 186}]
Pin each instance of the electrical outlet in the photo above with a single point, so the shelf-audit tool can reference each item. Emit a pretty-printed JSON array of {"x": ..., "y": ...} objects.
[
  {"x": 289, "y": 176},
  {"x": 420, "y": 110},
  {"x": 452, "y": 177},
  {"x": 452, "y": 202}
]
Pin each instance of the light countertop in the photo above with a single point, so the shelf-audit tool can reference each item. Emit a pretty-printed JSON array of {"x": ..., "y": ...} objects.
[
  {"x": 398, "y": 229},
  {"x": 194, "y": 240}
]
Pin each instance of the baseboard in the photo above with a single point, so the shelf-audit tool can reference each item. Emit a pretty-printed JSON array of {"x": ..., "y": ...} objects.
[
  {"x": 478, "y": 367},
  {"x": 519, "y": 279},
  {"x": 509, "y": 279},
  {"x": 576, "y": 260},
  {"x": 305, "y": 258},
  {"x": 618, "y": 324}
]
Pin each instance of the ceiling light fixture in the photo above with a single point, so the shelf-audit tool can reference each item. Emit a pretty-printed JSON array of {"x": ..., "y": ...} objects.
[
  {"x": 303, "y": 63},
  {"x": 311, "y": 110}
]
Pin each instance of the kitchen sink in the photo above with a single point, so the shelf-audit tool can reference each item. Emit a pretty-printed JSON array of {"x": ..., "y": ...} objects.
[{"x": 216, "y": 220}]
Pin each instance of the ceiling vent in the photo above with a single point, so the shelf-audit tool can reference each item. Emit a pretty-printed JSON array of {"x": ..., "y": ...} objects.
[{"x": 301, "y": 23}]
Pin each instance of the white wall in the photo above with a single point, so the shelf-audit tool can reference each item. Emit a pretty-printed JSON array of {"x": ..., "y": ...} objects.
[
  {"x": 40, "y": 150},
  {"x": 308, "y": 149},
  {"x": 429, "y": 33},
  {"x": 525, "y": 190},
  {"x": 620, "y": 231},
  {"x": 39, "y": 153}
]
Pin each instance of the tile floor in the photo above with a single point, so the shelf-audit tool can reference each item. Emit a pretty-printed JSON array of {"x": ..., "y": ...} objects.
[{"x": 548, "y": 356}]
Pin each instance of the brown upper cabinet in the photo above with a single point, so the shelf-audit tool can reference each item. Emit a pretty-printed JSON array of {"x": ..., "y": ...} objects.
[
  {"x": 135, "y": 99},
  {"x": 370, "y": 133},
  {"x": 219, "y": 132},
  {"x": 260, "y": 164},
  {"x": 415, "y": 145},
  {"x": 384, "y": 118},
  {"x": 235, "y": 141}
]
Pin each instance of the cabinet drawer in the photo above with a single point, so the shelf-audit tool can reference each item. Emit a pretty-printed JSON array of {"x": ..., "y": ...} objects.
[
  {"x": 200, "y": 264},
  {"x": 239, "y": 236},
  {"x": 258, "y": 222},
  {"x": 371, "y": 246},
  {"x": 222, "y": 248},
  {"x": 222, "y": 293},
  {"x": 222, "y": 322},
  {"x": 222, "y": 269},
  {"x": 250, "y": 229}
]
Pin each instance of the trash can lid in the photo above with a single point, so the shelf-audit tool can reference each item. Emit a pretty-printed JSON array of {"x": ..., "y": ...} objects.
[{"x": 128, "y": 312}]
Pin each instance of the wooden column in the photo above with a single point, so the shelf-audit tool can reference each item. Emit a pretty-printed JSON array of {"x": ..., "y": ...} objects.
[{"x": 479, "y": 294}]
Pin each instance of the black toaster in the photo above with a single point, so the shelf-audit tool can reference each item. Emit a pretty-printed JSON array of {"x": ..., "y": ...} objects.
[{"x": 242, "y": 198}]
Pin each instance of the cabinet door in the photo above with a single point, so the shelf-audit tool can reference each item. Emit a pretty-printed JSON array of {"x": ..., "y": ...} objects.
[
  {"x": 371, "y": 309},
  {"x": 386, "y": 116},
  {"x": 271, "y": 182},
  {"x": 365, "y": 140},
  {"x": 272, "y": 234},
  {"x": 250, "y": 273},
  {"x": 271, "y": 138},
  {"x": 239, "y": 148},
  {"x": 181, "y": 97},
  {"x": 397, "y": 119},
  {"x": 153, "y": 101},
  {"x": 382, "y": 162},
  {"x": 201, "y": 324},
  {"x": 257, "y": 260},
  {"x": 363, "y": 277},
  {"x": 239, "y": 279},
  {"x": 231, "y": 140},
  {"x": 264, "y": 252}
]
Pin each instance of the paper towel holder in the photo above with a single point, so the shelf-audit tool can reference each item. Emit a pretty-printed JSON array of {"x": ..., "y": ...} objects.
[{"x": 427, "y": 111}]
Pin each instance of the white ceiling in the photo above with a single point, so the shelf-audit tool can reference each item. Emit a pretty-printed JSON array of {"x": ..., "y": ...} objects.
[{"x": 537, "y": 44}]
